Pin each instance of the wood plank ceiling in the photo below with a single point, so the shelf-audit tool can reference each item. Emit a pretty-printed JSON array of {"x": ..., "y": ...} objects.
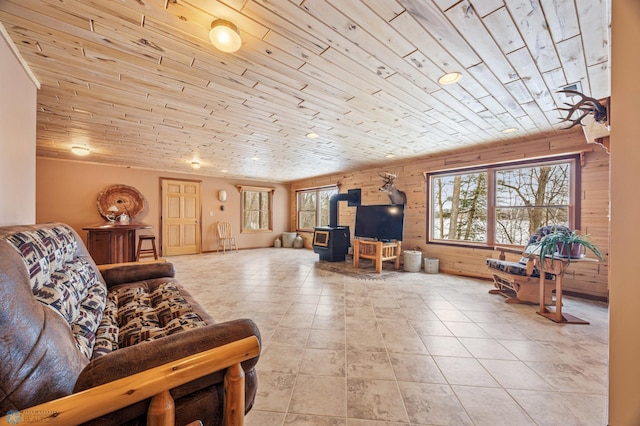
[{"x": 139, "y": 83}]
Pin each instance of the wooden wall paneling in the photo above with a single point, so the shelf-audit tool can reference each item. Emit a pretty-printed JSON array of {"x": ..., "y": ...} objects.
[{"x": 589, "y": 279}]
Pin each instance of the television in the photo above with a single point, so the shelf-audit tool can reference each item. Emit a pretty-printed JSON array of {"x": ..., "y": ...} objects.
[{"x": 380, "y": 222}]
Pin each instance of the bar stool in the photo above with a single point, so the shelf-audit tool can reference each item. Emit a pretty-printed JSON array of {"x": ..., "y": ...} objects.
[{"x": 142, "y": 252}]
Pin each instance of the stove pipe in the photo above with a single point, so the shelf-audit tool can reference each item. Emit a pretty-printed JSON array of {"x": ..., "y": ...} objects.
[{"x": 353, "y": 199}]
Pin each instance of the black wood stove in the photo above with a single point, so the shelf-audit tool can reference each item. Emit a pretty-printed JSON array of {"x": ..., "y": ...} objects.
[{"x": 332, "y": 242}]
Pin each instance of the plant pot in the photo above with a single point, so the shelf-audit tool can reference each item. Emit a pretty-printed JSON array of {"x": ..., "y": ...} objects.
[{"x": 571, "y": 250}]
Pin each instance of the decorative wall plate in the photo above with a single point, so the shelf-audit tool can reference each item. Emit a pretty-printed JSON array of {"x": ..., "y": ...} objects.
[{"x": 127, "y": 199}]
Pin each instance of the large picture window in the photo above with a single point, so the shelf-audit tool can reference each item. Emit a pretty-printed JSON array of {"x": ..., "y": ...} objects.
[
  {"x": 256, "y": 209},
  {"x": 502, "y": 204},
  {"x": 313, "y": 207}
]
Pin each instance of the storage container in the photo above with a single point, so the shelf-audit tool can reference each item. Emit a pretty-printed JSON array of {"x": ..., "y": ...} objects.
[
  {"x": 431, "y": 265},
  {"x": 412, "y": 260}
]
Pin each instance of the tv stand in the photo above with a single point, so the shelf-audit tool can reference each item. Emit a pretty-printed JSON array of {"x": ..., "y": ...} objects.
[{"x": 376, "y": 251}]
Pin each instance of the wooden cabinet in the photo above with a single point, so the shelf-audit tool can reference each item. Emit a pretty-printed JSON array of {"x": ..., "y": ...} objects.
[{"x": 113, "y": 242}]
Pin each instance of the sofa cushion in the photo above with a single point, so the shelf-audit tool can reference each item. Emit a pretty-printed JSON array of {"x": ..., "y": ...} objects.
[
  {"x": 60, "y": 280},
  {"x": 150, "y": 310},
  {"x": 107, "y": 333},
  {"x": 515, "y": 268}
]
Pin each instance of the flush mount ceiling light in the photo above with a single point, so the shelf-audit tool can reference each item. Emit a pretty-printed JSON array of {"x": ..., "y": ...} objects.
[
  {"x": 225, "y": 36},
  {"x": 450, "y": 78},
  {"x": 80, "y": 150},
  {"x": 312, "y": 135},
  {"x": 510, "y": 130},
  {"x": 195, "y": 164}
]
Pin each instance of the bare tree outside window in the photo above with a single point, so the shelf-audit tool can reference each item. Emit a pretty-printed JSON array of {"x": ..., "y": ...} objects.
[
  {"x": 501, "y": 204},
  {"x": 313, "y": 207},
  {"x": 460, "y": 207},
  {"x": 256, "y": 209},
  {"x": 307, "y": 209},
  {"x": 528, "y": 198}
]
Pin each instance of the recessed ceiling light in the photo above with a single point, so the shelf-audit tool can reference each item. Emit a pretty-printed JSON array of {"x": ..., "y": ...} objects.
[
  {"x": 255, "y": 158},
  {"x": 80, "y": 150},
  {"x": 390, "y": 155},
  {"x": 312, "y": 135},
  {"x": 510, "y": 130},
  {"x": 450, "y": 78},
  {"x": 195, "y": 164},
  {"x": 224, "y": 171}
]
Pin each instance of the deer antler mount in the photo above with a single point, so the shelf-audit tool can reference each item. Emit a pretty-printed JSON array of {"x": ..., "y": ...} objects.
[{"x": 583, "y": 108}]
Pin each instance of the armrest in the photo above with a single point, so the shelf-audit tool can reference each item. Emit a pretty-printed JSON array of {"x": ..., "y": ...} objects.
[
  {"x": 137, "y": 358},
  {"x": 132, "y": 272},
  {"x": 97, "y": 401},
  {"x": 504, "y": 250}
]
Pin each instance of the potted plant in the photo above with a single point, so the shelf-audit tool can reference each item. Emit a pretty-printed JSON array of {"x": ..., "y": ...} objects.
[{"x": 566, "y": 245}]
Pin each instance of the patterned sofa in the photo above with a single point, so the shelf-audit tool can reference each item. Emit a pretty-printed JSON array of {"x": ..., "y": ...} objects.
[{"x": 66, "y": 327}]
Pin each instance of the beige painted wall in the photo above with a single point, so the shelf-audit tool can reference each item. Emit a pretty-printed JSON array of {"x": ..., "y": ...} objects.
[
  {"x": 585, "y": 278},
  {"x": 67, "y": 192},
  {"x": 624, "y": 310},
  {"x": 17, "y": 141}
]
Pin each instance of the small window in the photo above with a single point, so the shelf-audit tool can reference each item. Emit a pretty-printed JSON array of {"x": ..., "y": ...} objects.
[
  {"x": 313, "y": 207},
  {"x": 256, "y": 209}
]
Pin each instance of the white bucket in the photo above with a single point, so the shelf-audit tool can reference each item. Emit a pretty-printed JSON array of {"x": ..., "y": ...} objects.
[
  {"x": 288, "y": 238},
  {"x": 412, "y": 260},
  {"x": 431, "y": 265}
]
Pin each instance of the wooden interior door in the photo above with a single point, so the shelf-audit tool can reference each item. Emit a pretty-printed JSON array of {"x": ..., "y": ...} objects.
[{"x": 181, "y": 229}]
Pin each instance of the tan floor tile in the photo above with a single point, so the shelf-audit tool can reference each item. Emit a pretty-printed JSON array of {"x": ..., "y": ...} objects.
[
  {"x": 450, "y": 315},
  {"x": 274, "y": 391},
  {"x": 400, "y": 337},
  {"x": 551, "y": 408},
  {"x": 369, "y": 365},
  {"x": 492, "y": 407},
  {"x": 432, "y": 404},
  {"x": 515, "y": 375},
  {"x": 464, "y": 371},
  {"x": 466, "y": 329},
  {"x": 569, "y": 378},
  {"x": 319, "y": 395},
  {"x": 327, "y": 339},
  {"x": 375, "y": 400},
  {"x": 264, "y": 418},
  {"x": 310, "y": 318},
  {"x": 416, "y": 368},
  {"x": 430, "y": 328},
  {"x": 280, "y": 359},
  {"x": 308, "y": 420},
  {"x": 287, "y": 336},
  {"x": 323, "y": 362},
  {"x": 334, "y": 321},
  {"x": 445, "y": 346},
  {"x": 486, "y": 348},
  {"x": 362, "y": 422}
]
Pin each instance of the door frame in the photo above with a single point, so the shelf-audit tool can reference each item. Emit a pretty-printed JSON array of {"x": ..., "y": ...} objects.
[{"x": 199, "y": 214}]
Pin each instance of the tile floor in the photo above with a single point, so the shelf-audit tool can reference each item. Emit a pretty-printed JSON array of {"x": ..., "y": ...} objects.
[{"x": 401, "y": 348}]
